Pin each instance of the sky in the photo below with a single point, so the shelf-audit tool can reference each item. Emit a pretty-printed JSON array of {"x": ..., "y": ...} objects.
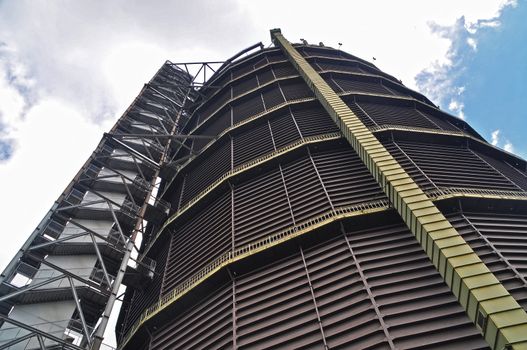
[{"x": 68, "y": 69}]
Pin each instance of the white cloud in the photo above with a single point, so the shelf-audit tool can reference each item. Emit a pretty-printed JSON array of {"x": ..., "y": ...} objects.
[
  {"x": 508, "y": 147},
  {"x": 472, "y": 43},
  {"x": 495, "y": 137},
  {"x": 56, "y": 137},
  {"x": 438, "y": 80},
  {"x": 495, "y": 140},
  {"x": 457, "y": 107}
]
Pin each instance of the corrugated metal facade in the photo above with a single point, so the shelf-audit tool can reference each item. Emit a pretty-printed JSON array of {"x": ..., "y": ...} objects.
[{"x": 278, "y": 161}]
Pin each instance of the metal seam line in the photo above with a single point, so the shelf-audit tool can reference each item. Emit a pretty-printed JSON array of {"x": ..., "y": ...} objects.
[
  {"x": 488, "y": 304},
  {"x": 240, "y": 169},
  {"x": 366, "y": 285},
  {"x": 310, "y": 140},
  {"x": 157, "y": 307},
  {"x": 249, "y": 249},
  {"x": 314, "y": 299}
]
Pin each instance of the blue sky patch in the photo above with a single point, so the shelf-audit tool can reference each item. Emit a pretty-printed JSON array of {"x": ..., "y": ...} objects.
[{"x": 495, "y": 80}]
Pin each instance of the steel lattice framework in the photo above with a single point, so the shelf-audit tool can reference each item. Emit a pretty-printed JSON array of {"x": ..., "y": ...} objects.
[{"x": 59, "y": 290}]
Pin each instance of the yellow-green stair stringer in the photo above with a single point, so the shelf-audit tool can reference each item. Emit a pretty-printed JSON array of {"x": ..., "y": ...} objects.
[{"x": 488, "y": 304}]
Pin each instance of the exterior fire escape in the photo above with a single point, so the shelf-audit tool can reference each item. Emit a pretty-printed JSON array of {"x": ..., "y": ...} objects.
[{"x": 59, "y": 290}]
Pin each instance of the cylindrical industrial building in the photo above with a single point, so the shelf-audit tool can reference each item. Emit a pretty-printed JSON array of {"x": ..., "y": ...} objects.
[
  {"x": 297, "y": 198},
  {"x": 333, "y": 208}
]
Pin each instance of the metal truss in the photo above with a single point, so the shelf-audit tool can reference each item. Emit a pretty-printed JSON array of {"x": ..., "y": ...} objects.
[{"x": 59, "y": 290}]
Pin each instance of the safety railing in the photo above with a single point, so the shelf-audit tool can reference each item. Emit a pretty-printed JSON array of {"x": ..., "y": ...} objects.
[
  {"x": 447, "y": 192},
  {"x": 239, "y": 169},
  {"x": 246, "y": 121},
  {"x": 417, "y": 129},
  {"x": 250, "y": 249}
]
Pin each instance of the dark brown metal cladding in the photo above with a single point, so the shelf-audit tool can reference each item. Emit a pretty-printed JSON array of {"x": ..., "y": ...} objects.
[
  {"x": 371, "y": 289},
  {"x": 276, "y": 161}
]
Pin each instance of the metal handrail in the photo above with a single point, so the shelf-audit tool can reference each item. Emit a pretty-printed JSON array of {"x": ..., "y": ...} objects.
[
  {"x": 239, "y": 169},
  {"x": 452, "y": 191},
  {"x": 252, "y": 248}
]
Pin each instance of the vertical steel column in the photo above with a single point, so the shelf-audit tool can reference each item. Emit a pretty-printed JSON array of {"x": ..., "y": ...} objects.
[
  {"x": 488, "y": 304},
  {"x": 99, "y": 334},
  {"x": 319, "y": 320}
]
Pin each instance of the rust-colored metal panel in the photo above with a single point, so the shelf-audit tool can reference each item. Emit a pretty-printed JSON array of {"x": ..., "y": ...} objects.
[
  {"x": 351, "y": 282},
  {"x": 372, "y": 288}
]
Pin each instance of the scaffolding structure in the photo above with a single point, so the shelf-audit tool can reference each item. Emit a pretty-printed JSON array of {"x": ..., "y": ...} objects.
[{"x": 59, "y": 290}]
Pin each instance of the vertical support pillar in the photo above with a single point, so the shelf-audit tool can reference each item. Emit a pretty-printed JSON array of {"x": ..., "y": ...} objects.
[{"x": 313, "y": 297}]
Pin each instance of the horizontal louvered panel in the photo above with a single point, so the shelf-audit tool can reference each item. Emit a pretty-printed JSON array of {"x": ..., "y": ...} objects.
[
  {"x": 198, "y": 241},
  {"x": 272, "y": 97},
  {"x": 345, "y": 309},
  {"x": 294, "y": 90},
  {"x": 401, "y": 278},
  {"x": 214, "y": 103},
  {"x": 174, "y": 196},
  {"x": 275, "y": 56},
  {"x": 284, "y": 70},
  {"x": 447, "y": 166},
  {"x": 206, "y": 326},
  {"x": 389, "y": 114},
  {"x": 417, "y": 175},
  {"x": 314, "y": 121},
  {"x": 240, "y": 87},
  {"x": 501, "y": 242},
  {"x": 260, "y": 208},
  {"x": 284, "y": 130},
  {"x": 252, "y": 144},
  {"x": 366, "y": 119},
  {"x": 275, "y": 308},
  {"x": 221, "y": 82},
  {"x": 343, "y": 67},
  {"x": 451, "y": 166},
  {"x": 308, "y": 51},
  {"x": 349, "y": 84},
  {"x": 514, "y": 174},
  {"x": 333, "y": 85},
  {"x": 305, "y": 191},
  {"x": 265, "y": 76},
  {"x": 213, "y": 128},
  {"x": 261, "y": 62},
  {"x": 377, "y": 114},
  {"x": 346, "y": 178},
  {"x": 249, "y": 145},
  {"x": 207, "y": 170},
  {"x": 241, "y": 70},
  {"x": 249, "y": 106},
  {"x": 142, "y": 299}
]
